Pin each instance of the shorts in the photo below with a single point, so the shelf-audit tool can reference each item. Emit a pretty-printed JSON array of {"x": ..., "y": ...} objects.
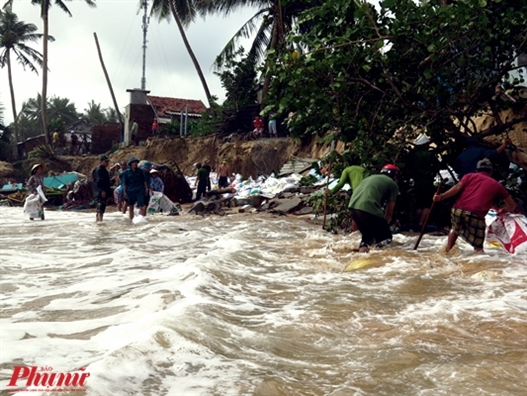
[
  {"x": 469, "y": 226},
  {"x": 374, "y": 229},
  {"x": 223, "y": 182},
  {"x": 138, "y": 198},
  {"x": 100, "y": 204}
]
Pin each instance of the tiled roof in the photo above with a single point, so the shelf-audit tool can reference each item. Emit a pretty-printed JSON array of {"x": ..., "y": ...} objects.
[{"x": 165, "y": 106}]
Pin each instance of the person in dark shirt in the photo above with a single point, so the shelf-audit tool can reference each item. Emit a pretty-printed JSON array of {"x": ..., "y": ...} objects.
[
  {"x": 466, "y": 162},
  {"x": 208, "y": 168},
  {"x": 134, "y": 186},
  {"x": 101, "y": 187},
  {"x": 201, "y": 180},
  {"x": 147, "y": 167},
  {"x": 422, "y": 167}
]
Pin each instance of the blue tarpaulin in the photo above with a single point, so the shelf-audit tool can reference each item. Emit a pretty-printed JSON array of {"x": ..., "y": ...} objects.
[
  {"x": 60, "y": 181},
  {"x": 12, "y": 187}
]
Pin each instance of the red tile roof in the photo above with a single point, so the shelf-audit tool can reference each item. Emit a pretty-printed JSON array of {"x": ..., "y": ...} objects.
[{"x": 166, "y": 106}]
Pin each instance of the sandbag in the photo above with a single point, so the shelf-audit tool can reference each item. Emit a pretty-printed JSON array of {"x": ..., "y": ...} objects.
[
  {"x": 33, "y": 206},
  {"x": 509, "y": 231}
]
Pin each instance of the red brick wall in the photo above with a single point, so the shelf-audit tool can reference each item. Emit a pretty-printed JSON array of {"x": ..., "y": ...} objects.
[
  {"x": 144, "y": 116},
  {"x": 104, "y": 137}
]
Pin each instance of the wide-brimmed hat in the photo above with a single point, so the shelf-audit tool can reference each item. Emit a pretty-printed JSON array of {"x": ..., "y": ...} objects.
[
  {"x": 147, "y": 164},
  {"x": 104, "y": 158},
  {"x": 484, "y": 165},
  {"x": 133, "y": 159},
  {"x": 421, "y": 139},
  {"x": 224, "y": 160},
  {"x": 154, "y": 171},
  {"x": 34, "y": 168}
]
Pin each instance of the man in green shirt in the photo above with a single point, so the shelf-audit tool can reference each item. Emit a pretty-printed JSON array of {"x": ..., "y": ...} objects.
[
  {"x": 366, "y": 207},
  {"x": 352, "y": 175}
]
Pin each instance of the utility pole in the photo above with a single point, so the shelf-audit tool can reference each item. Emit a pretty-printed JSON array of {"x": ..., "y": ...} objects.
[{"x": 144, "y": 26}]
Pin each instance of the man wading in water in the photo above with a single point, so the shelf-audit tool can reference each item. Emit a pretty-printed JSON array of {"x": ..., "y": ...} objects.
[
  {"x": 101, "y": 187},
  {"x": 366, "y": 207},
  {"x": 134, "y": 186},
  {"x": 478, "y": 192}
]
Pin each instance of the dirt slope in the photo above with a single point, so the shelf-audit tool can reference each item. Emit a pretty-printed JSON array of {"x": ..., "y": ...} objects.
[{"x": 250, "y": 158}]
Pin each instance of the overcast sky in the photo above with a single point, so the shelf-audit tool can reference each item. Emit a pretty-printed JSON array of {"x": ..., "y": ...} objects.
[{"x": 74, "y": 68}]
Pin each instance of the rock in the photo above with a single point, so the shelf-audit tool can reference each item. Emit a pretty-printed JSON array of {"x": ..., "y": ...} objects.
[
  {"x": 305, "y": 210},
  {"x": 308, "y": 190},
  {"x": 240, "y": 201},
  {"x": 197, "y": 208},
  {"x": 256, "y": 201},
  {"x": 288, "y": 206},
  {"x": 287, "y": 195}
]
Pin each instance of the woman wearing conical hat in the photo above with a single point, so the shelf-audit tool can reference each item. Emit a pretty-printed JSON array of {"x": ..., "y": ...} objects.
[{"x": 36, "y": 180}]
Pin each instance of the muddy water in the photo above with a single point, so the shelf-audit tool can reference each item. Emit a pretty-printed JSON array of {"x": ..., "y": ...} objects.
[{"x": 255, "y": 305}]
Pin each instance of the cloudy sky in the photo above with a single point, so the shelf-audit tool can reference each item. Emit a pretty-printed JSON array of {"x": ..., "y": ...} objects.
[{"x": 74, "y": 68}]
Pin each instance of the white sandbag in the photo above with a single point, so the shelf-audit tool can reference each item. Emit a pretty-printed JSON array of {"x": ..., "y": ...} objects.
[
  {"x": 168, "y": 206},
  {"x": 139, "y": 220},
  {"x": 33, "y": 206},
  {"x": 509, "y": 231},
  {"x": 41, "y": 194},
  {"x": 154, "y": 205}
]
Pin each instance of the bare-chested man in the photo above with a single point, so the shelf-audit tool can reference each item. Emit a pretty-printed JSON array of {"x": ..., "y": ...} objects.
[{"x": 223, "y": 173}]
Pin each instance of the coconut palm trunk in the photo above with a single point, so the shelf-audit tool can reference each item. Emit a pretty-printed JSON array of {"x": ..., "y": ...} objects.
[
  {"x": 191, "y": 53},
  {"x": 272, "y": 46},
  {"x": 43, "y": 103},
  {"x": 13, "y": 103}
]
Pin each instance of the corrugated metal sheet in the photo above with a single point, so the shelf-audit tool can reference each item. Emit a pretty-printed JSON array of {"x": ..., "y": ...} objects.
[{"x": 297, "y": 165}]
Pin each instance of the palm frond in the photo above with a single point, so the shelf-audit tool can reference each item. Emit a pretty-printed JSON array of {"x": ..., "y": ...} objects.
[{"x": 245, "y": 31}]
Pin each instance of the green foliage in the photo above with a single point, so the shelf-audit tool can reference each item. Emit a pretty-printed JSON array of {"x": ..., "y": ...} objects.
[
  {"x": 43, "y": 152},
  {"x": 57, "y": 124},
  {"x": 308, "y": 180},
  {"x": 171, "y": 128},
  {"x": 209, "y": 123},
  {"x": 377, "y": 76},
  {"x": 238, "y": 78},
  {"x": 5, "y": 142}
]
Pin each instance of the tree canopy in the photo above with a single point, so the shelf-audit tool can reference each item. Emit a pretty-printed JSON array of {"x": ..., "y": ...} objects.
[{"x": 367, "y": 72}]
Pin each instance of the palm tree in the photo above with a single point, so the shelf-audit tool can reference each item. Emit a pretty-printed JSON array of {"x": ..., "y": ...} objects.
[
  {"x": 95, "y": 114},
  {"x": 270, "y": 25},
  {"x": 111, "y": 115},
  {"x": 184, "y": 12},
  {"x": 62, "y": 108},
  {"x": 44, "y": 13},
  {"x": 14, "y": 35}
]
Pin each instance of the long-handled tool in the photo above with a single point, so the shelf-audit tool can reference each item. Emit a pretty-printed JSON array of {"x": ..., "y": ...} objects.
[
  {"x": 428, "y": 216},
  {"x": 326, "y": 192}
]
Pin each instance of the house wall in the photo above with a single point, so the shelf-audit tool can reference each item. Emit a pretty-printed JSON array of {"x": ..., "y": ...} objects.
[
  {"x": 104, "y": 137},
  {"x": 31, "y": 144},
  {"x": 144, "y": 116}
]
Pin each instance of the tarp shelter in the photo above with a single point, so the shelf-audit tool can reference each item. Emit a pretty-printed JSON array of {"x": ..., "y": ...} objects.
[
  {"x": 60, "y": 181},
  {"x": 12, "y": 187}
]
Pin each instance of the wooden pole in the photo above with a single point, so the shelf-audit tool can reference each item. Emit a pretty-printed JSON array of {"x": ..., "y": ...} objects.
[
  {"x": 109, "y": 83},
  {"x": 326, "y": 192},
  {"x": 428, "y": 216}
]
